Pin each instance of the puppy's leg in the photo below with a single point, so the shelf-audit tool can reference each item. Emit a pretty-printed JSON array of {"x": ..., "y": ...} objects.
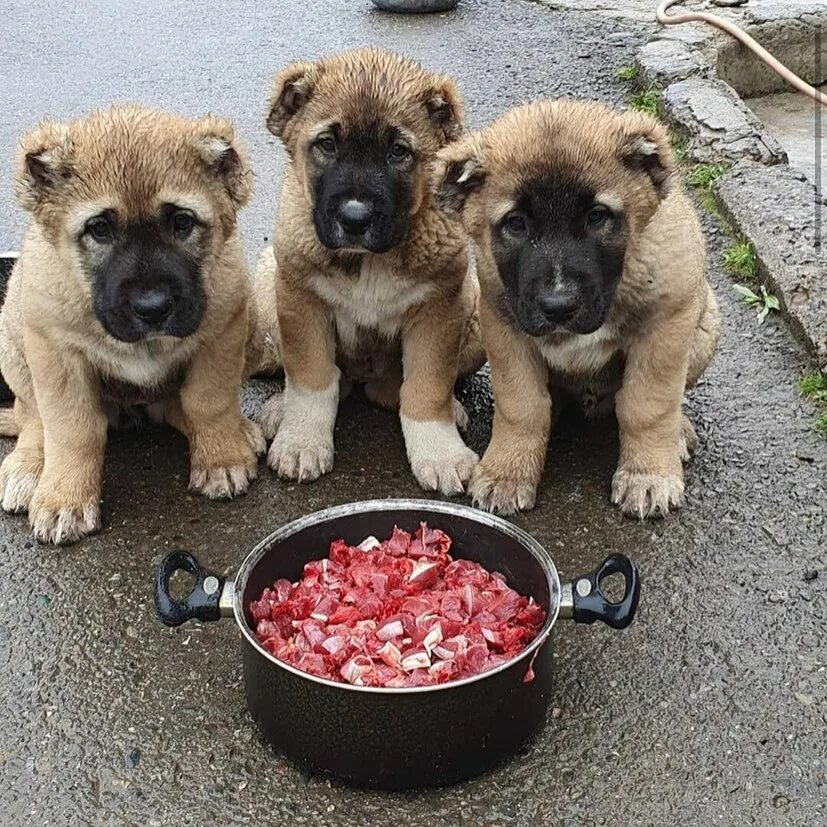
[
  {"x": 66, "y": 503},
  {"x": 224, "y": 444},
  {"x": 303, "y": 445},
  {"x": 439, "y": 458},
  {"x": 649, "y": 478},
  {"x": 507, "y": 477},
  {"x": 705, "y": 340},
  {"x": 21, "y": 469}
]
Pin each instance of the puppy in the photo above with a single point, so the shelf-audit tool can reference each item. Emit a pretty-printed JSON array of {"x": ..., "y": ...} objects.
[
  {"x": 367, "y": 279},
  {"x": 591, "y": 262},
  {"x": 130, "y": 290}
]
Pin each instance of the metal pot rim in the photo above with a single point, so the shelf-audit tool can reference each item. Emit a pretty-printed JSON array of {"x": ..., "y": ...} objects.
[{"x": 347, "y": 509}]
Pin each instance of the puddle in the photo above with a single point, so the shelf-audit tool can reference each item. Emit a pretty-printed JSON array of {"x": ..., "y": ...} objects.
[{"x": 791, "y": 119}]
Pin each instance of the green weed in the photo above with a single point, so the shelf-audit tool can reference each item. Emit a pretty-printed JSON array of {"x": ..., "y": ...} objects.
[
  {"x": 740, "y": 261},
  {"x": 762, "y": 301}
]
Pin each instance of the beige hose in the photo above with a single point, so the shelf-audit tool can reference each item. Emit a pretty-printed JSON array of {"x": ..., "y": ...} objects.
[{"x": 730, "y": 28}]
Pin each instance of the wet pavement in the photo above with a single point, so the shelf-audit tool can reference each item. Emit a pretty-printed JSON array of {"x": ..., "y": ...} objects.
[{"x": 710, "y": 709}]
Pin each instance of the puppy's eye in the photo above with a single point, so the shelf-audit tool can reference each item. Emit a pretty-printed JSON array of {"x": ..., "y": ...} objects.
[
  {"x": 399, "y": 151},
  {"x": 515, "y": 224},
  {"x": 99, "y": 229},
  {"x": 598, "y": 216},
  {"x": 182, "y": 223},
  {"x": 327, "y": 145}
]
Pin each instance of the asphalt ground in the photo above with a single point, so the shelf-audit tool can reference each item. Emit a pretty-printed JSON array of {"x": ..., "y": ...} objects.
[{"x": 710, "y": 709}]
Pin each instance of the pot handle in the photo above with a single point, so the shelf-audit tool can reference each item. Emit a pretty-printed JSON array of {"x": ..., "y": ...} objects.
[
  {"x": 584, "y": 602},
  {"x": 204, "y": 600}
]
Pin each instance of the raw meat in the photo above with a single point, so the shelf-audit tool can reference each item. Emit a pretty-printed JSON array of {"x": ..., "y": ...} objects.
[{"x": 395, "y": 614}]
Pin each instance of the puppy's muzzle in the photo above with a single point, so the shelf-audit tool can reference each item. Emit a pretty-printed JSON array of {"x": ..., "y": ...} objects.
[
  {"x": 152, "y": 307},
  {"x": 355, "y": 217},
  {"x": 557, "y": 306}
]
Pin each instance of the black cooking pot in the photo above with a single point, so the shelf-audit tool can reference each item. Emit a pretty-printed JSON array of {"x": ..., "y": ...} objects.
[{"x": 397, "y": 738}]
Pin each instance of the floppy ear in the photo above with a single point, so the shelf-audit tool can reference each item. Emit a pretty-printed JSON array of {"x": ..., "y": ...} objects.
[
  {"x": 444, "y": 108},
  {"x": 291, "y": 91},
  {"x": 457, "y": 172},
  {"x": 224, "y": 158},
  {"x": 645, "y": 146},
  {"x": 44, "y": 164}
]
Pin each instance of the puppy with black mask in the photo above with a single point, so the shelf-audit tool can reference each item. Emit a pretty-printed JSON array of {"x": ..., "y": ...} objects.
[
  {"x": 130, "y": 290},
  {"x": 367, "y": 280},
  {"x": 591, "y": 265}
]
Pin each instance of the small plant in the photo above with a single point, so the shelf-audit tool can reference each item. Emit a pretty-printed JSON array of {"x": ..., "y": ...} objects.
[
  {"x": 627, "y": 72},
  {"x": 740, "y": 260},
  {"x": 647, "y": 101},
  {"x": 701, "y": 176},
  {"x": 680, "y": 146},
  {"x": 813, "y": 386},
  {"x": 762, "y": 301}
]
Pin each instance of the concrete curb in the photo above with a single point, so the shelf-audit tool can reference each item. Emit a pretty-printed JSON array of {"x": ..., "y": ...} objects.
[
  {"x": 773, "y": 206},
  {"x": 776, "y": 209}
]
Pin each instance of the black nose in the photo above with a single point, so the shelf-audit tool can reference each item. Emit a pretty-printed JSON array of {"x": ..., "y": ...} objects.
[
  {"x": 557, "y": 306},
  {"x": 151, "y": 306},
  {"x": 355, "y": 216}
]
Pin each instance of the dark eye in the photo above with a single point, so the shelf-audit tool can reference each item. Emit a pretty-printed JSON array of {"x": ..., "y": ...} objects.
[
  {"x": 182, "y": 223},
  {"x": 100, "y": 229},
  {"x": 399, "y": 151},
  {"x": 598, "y": 216},
  {"x": 515, "y": 223},
  {"x": 327, "y": 145}
]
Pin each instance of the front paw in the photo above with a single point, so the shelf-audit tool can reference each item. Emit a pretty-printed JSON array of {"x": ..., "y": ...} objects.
[
  {"x": 439, "y": 459},
  {"x": 502, "y": 492},
  {"x": 19, "y": 476},
  {"x": 224, "y": 462},
  {"x": 54, "y": 519},
  {"x": 300, "y": 454},
  {"x": 646, "y": 496}
]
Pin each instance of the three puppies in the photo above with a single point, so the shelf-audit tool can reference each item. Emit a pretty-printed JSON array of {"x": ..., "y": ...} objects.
[
  {"x": 130, "y": 289},
  {"x": 591, "y": 262},
  {"x": 367, "y": 279}
]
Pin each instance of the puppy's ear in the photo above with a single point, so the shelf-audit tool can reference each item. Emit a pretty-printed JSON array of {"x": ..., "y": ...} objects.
[
  {"x": 458, "y": 171},
  {"x": 44, "y": 164},
  {"x": 645, "y": 146},
  {"x": 224, "y": 158},
  {"x": 444, "y": 108},
  {"x": 291, "y": 91}
]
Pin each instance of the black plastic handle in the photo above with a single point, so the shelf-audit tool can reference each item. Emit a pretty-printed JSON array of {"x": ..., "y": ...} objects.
[
  {"x": 590, "y": 603},
  {"x": 200, "y": 603}
]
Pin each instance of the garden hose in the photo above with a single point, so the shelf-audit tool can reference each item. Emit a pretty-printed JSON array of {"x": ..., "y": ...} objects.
[{"x": 730, "y": 28}]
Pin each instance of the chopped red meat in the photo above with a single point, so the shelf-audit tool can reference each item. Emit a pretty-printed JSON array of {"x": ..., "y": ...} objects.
[{"x": 395, "y": 613}]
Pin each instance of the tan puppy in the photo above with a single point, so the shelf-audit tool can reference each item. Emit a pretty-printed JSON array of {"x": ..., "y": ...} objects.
[
  {"x": 367, "y": 278},
  {"x": 130, "y": 289},
  {"x": 591, "y": 262}
]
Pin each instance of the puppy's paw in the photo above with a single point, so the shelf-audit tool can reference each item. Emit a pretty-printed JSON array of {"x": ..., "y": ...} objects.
[
  {"x": 688, "y": 442},
  {"x": 19, "y": 476},
  {"x": 63, "y": 524},
  {"x": 300, "y": 454},
  {"x": 646, "y": 496},
  {"x": 500, "y": 493},
  {"x": 224, "y": 459},
  {"x": 221, "y": 483},
  {"x": 460, "y": 414},
  {"x": 271, "y": 415},
  {"x": 439, "y": 459}
]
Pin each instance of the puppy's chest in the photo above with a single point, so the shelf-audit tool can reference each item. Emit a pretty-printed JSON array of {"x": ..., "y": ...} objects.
[
  {"x": 582, "y": 356},
  {"x": 374, "y": 301},
  {"x": 143, "y": 373}
]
